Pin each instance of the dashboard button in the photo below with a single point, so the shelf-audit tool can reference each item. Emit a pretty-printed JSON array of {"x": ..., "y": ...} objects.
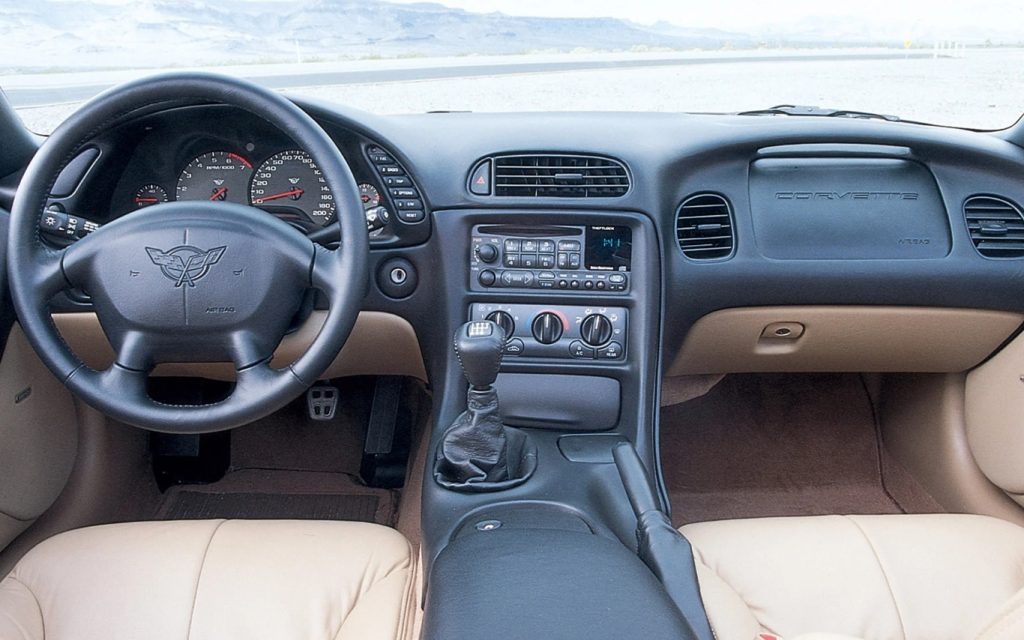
[
  {"x": 617, "y": 278},
  {"x": 546, "y": 261},
  {"x": 397, "y": 181},
  {"x": 579, "y": 350},
  {"x": 601, "y": 285},
  {"x": 568, "y": 245},
  {"x": 405, "y": 193},
  {"x": 575, "y": 284},
  {"x": 515, "y": 347},
  {"x": 486, "y": 278},
  {"x": 480, "y": 181},
  {"x": 612, "y": 352},
  {"x": 563, "y": 261},
  {"x": 512, "y": 245},
  {"x": 487, "y": 252},
  {"x": 381, "y": 158},
  {"x": 574, "y": 261},
  {"x": 546, "y": 246},
  {"x": 589, "y": 284},
  {"x": 390, "y": 170},
  {"x": 562, "y": 284},
  {"x": 409, "y": 204},
  {"x": 411, "y": 215},
  {"x": 512, "y": 260},
  {"x": 545, "y": 275},
  {"x": 530, "y": 261},
  {"x": 530, "y": 245}
]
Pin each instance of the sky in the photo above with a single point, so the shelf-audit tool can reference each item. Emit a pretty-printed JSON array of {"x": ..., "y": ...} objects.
[{"x": 752, "y": 14}]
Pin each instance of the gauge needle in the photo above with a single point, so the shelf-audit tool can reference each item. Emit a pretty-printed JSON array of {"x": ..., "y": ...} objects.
[
  {"x": 145, "y": 200},
  {"x": 219, "y": 194},
  {"x": 283, "y": 194}
]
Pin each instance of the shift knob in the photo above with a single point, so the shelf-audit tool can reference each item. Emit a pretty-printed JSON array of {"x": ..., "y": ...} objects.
[{"x": 479, "y": 346}]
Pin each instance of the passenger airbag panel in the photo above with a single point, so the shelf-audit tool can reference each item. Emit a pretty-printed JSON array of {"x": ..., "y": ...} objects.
[{"x": 847, "y": 209}]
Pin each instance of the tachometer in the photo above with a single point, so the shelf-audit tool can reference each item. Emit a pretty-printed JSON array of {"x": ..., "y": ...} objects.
[
  {"x": 217, "y": 175},
  {"x": 290, "y": 182}
]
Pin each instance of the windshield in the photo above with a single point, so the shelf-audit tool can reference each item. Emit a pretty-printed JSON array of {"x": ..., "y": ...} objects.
[{"x": 956, "y": 64}]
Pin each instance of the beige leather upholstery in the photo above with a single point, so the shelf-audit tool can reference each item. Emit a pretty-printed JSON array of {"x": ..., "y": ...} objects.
[
  {"x": 903, "y": 577},
  {"x": 213, "y": 579}
]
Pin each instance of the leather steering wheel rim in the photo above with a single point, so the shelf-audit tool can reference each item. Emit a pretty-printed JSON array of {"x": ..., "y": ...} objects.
[{"x": 37, "y": 271}]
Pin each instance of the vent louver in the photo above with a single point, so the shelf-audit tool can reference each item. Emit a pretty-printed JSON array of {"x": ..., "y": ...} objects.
[
  {"x": 559, "y": 176},
  {"x": 704, "y": 227},
  {"x": 996, "y": 226}
]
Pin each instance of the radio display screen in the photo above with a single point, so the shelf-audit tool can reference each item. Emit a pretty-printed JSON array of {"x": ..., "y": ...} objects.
[{"x": 609, "y": 248}]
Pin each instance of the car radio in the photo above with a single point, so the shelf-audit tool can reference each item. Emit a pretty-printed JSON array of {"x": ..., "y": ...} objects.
[{"x": 591, "y": 258}]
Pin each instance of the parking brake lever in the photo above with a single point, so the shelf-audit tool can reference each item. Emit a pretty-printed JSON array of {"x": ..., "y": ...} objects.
[{"x": 660, "y": 546}]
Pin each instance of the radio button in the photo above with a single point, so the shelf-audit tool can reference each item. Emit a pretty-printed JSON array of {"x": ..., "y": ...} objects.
[
  {"x": 486, "y": 278},
  {"x": 546, "y": 246},
  {"x": 530, "y": 245},
  {"x": 529, "y": 261},
  {"x": 568, "y": 245},
  {"x": 547, "y": 261},
  {"x": 617, "y": 278},
  {"x": 574, "y": 261},
  {"x": 563, "y": 261},
  {"x": 512, "y": 245},
  {"x": 512, "y": 260}
]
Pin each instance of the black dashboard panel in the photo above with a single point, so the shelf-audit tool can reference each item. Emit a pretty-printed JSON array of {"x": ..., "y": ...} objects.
[{"x": 847, "y": 209}]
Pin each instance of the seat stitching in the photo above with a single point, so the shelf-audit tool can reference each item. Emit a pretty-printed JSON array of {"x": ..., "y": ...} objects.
[
  {"x": 699, "y": 557},
  {"x": 202, "y": 565},
  {"x": 881, "y": 569},
  {"x": 363, "y": 593},
  {"x": 39, "y": 605},
  {"x": 990, "y": 631}
]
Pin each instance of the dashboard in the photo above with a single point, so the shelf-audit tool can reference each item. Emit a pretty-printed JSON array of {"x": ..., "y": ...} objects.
[{"x": 797, "y": 211}]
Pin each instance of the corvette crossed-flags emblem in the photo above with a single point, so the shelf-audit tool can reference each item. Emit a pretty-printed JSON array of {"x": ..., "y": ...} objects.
[{"x": 185, "y": 264}]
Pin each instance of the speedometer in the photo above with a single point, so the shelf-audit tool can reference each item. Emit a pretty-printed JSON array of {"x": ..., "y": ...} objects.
[{"x": 290, "y": 183}]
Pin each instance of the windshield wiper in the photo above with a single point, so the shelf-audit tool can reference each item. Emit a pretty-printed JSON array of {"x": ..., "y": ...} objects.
[{"x": 820, "y": 112}]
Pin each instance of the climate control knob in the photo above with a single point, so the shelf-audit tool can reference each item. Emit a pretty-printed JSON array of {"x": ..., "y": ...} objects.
[
  {"x": 596, "y": 329},
  {"x": 504, "y": 320},
  {"x": 547, "y": 328}
]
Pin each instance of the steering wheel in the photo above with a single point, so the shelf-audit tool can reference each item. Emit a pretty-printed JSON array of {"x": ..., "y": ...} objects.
[{"x": 188, "y": 281}]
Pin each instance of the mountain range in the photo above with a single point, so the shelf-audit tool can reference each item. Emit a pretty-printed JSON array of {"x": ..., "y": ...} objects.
[{"x": 52, "y": 35}]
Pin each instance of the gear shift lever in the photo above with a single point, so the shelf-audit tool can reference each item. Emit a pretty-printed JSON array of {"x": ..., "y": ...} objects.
[
  {"x": 479, "y": 347},
  {"x": 478, "y": 452}
]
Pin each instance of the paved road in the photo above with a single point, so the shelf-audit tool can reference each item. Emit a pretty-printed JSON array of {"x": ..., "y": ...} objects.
[{"x": 32, "y": 97}]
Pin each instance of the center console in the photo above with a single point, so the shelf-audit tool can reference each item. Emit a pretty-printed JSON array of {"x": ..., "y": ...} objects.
[{"x": 579, "y": 320}]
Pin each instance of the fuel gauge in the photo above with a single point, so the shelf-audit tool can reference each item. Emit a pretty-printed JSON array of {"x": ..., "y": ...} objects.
[{"x": 149, "y": 194}]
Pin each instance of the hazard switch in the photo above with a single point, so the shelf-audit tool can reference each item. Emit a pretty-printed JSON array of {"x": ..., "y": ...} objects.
[{"x": 480, "y": 181}]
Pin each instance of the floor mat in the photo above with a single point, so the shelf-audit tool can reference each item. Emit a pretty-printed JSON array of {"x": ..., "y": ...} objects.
[
  {"x": 780, "y": 445},
  {"x": 193, "y": 505},
  {"x": 281, "y": 494}
]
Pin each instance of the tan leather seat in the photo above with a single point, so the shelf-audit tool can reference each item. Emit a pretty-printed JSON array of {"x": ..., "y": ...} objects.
[
  {"x": 897, "y": 577},
  {"x": 213, "y": 579}
]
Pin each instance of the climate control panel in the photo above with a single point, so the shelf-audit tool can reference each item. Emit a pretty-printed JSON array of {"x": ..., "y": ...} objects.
[{"x": 558, "y": 331}]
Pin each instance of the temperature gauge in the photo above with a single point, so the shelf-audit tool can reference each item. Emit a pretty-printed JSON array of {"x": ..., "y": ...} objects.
[
  {"x": 369, "y": 195},
  {"x": 149, "y": 194}
]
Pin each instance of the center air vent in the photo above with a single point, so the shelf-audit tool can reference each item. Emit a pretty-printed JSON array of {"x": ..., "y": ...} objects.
[
  {"x": 559, "y": 176},
  {"x": 996, "y": 226},
  {"x": 704, "y": 227}
]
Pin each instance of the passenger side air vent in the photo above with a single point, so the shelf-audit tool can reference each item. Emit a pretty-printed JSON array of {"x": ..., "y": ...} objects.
[
  {"x": 996, "y": 226},
  {"x": 704, "y": 227},
  {"x": 559, "y": 176}
]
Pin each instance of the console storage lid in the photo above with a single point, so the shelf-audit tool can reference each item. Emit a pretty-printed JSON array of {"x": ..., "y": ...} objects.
[{"x": 510, "y": 584}]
